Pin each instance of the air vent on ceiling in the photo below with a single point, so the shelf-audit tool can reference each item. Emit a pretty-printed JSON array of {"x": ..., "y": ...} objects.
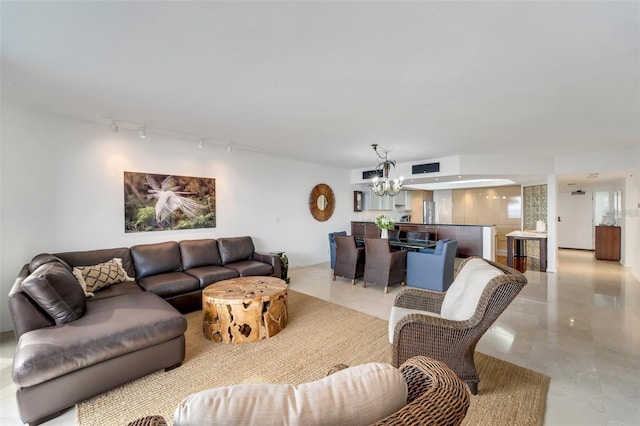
[
  {"x": 417, "y": 169},
  {"x": 369, "y": 174}
]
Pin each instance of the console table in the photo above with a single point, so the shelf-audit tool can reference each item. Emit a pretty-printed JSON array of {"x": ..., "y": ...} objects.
[{"x": 541, "y": 237}]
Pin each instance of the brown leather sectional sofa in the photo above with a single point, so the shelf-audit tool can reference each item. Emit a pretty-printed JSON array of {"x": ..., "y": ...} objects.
[{"x": 71, "y": 347}]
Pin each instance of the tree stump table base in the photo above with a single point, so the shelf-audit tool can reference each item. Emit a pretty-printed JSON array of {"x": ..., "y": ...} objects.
[{"x": 246, "y": 309}]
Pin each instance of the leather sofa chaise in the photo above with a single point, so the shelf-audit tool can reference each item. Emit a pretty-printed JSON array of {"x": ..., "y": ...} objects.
[{"x": 89, "y": 321}]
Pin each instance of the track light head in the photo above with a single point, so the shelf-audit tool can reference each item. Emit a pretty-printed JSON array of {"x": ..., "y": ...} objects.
[
  {"x": 114, "y": 126},
  {"x": 142, "y": 132},
  {"x": 201, "y": 144},
  {"x": 229, "y": 148}
]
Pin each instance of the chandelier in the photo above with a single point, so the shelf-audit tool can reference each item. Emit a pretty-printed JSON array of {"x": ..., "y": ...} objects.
[{"x": 385, "y": 186}]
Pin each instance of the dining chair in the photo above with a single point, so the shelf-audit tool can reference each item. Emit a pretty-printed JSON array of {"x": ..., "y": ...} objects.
[
  {"x": 383, "y": 266},
  {"x": 350, "y": 259},
  {"x": 432, "y": 271}
]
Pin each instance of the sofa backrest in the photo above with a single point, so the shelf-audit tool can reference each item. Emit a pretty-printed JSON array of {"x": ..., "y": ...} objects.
[
  {"x": 196, "y": 253},
  {"x": 153, "y": 259},
  {"x": 235, "y": 249},
  {"x": 94, "y": 257}
]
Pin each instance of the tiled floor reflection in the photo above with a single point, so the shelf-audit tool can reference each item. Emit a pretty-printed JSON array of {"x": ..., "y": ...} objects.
[{"x": 580, "y": 326}]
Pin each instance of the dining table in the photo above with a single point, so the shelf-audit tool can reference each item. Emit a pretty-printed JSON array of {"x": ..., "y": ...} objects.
[{"x": 402, "y": 244}]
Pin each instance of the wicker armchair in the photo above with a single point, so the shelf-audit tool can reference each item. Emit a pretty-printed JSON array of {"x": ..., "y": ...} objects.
[
  {"x": 349, "y": 258},
  {"x": 452, "y": 342},
  {"x": 383, "y": 266},
  {"x": 435, "y": 396}
]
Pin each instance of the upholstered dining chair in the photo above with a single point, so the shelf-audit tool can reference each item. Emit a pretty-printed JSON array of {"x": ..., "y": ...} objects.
[
  {"x": 332, "y": 246},
  {"x": 432, "y": 270},
  {"x": 447, "y": 326},
  {"x": 383, "y": 266},
  {"x": 350, "y": 259}
]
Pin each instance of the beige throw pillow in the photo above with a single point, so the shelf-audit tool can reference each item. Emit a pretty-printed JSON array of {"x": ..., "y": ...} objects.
[
  {"x": 95, "y": 277},
  {"x": 359, "y": 395}
]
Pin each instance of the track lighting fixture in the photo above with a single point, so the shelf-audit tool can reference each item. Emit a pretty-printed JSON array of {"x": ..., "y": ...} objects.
[{"x": 116, "y": 123}]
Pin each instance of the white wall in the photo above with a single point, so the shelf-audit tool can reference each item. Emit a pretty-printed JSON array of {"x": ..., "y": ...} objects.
[{"x": 61, "y": 189}]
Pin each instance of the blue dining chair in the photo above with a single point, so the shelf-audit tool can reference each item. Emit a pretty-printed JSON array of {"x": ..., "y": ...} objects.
[
  {"x": 332, "y": 246},
  {"x": 432, "y": 271}
]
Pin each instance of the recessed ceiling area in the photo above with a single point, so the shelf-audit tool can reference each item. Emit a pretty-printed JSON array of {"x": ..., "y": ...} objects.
[{"x": 322, "y": 81}]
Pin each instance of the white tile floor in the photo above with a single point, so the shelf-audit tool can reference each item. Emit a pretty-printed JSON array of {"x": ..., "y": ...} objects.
[{"x": 580, "y": 326}]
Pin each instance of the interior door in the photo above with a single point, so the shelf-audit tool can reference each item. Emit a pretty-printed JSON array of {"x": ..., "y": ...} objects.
[{"x": 575, "y": 221}]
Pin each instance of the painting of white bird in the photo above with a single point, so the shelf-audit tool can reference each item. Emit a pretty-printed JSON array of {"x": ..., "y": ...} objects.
[
  {"x": 162, "y": 202},
  {"x": 170, "y": 199}
]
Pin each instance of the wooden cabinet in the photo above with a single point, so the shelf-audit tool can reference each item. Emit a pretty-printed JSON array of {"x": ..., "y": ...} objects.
[
  {"x": 608, "y": 243},
  {"x": 430, "y": 229},
  {"x": 364, "y": 230},
  {"x": 469, "y": 237},
  {"x": 469, "y": 240}
]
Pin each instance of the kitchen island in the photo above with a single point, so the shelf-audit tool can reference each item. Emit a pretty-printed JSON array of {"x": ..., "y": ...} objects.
[{"x": 473, "y": 240}]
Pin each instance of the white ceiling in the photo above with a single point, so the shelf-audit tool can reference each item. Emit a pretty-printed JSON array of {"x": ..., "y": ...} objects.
[{"x": 322, "y": 81}]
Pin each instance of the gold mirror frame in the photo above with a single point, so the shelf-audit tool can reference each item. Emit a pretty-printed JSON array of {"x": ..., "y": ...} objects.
[{"x": 319, "y": 194}]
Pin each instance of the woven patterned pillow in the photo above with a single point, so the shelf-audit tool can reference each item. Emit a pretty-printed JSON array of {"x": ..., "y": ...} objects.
[{"x": 95, "y": 277}]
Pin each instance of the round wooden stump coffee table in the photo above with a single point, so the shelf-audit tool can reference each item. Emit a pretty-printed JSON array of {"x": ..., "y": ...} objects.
[{"x": 245, "y": 309}]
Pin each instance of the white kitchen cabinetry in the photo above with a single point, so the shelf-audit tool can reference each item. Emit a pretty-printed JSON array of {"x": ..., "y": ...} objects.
[
  {"x": 404, "y": 200},
  {"x": 377, "y": 202}
]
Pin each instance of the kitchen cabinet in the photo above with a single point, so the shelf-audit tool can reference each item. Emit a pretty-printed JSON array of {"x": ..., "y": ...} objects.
[
  {"x": 469, "y": 241},
  {"x": 608, "y": 243},
  {"x": 430, "y": 229},
  {"x": 470, "y": 237},
  {"x": 404, "y": 200},
  {"x": 365, "y": 230},
  {"x": 377, "y": 202}
]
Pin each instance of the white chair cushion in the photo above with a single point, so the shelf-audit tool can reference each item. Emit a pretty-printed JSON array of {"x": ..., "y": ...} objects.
[
  {"x": 396, "y": 315},
  {"x": 462, "y": 297},
  {"x": 358, "y": 395}
]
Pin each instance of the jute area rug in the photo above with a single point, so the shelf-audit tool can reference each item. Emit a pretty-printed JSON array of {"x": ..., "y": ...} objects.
[{"x": 318, "y": 336}]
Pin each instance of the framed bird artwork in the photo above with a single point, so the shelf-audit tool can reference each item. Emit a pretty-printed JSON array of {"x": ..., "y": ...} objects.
[{"x": 154, "y": 202}]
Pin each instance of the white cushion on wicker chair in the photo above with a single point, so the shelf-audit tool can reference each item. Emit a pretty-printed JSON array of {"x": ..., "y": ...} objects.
[
  {"x": 362, "y": 394},
  {"x": 463, "y": 295},
  {"x": 396, "y": 315}
]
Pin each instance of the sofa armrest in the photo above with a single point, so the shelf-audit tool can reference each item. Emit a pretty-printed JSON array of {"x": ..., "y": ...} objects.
[
  {"x": 271, "y": 259},
  {"x": 25, "y": 313},
  {"x": 423, "y": 300}
]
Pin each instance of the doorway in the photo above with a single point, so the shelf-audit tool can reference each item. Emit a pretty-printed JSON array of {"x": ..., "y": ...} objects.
[{"x": 575, "y": 220}]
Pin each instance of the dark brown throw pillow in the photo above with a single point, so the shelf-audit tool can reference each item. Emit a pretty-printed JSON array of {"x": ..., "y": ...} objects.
[{"x": 54, "y": 288}]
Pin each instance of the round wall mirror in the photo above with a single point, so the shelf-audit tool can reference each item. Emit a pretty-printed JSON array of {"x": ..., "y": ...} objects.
[{"x": 321, "y": 202}]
